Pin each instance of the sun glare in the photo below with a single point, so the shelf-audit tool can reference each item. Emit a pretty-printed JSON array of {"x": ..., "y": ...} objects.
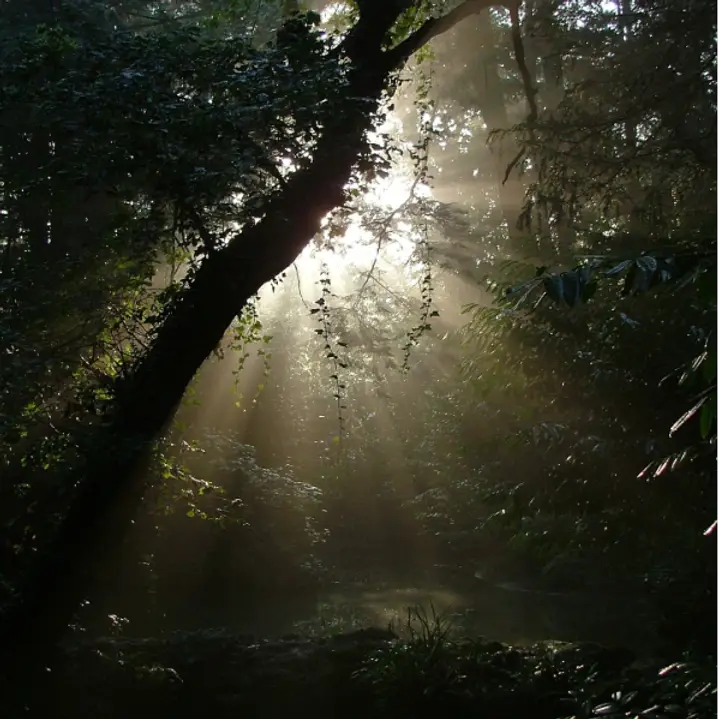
[
  {"x": 333, "y": 10},
  {"x": 362, "y": 247},
  {"x": 389, "y": 193}
]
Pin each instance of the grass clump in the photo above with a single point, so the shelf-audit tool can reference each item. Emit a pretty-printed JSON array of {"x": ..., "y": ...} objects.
[
  {"x": 420, "y": 668},
  {"x": 432, "y": 671}
]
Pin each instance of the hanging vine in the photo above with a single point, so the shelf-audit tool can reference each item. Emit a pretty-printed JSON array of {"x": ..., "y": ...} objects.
[
  {"x": 427, "y": 309},
  {"x": 333, "y": 348},
  {"x": 420, "y": 157},
  {"x": 248, "y": 330}
]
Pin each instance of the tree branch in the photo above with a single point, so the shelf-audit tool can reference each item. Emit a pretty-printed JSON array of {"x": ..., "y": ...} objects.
[
  {"x": 520, "y": 55},
  {"x": 384, "y": 227},
  {"x": 438, "y": 26},
  {"x": 529, "y": 89}
]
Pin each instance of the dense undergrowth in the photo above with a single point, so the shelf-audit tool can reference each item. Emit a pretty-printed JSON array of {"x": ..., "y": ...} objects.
[{"x": 420, "y": 669}]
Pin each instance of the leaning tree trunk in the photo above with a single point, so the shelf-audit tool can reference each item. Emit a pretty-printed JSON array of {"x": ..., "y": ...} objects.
[{"x": 110, "y": 492}]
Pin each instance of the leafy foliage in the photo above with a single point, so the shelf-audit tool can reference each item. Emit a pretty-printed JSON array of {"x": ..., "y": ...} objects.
[
  {"x": 124, "y": 151},
  {"x": 433, "y": 671},
  {"x": 641, "y": 275}
]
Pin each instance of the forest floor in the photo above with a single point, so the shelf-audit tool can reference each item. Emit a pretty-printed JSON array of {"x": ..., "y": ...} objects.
[{"x": 369, "y": 672}]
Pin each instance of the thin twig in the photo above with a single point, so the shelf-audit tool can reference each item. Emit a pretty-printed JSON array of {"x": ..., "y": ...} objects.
[{"x": 382, "y": 235}]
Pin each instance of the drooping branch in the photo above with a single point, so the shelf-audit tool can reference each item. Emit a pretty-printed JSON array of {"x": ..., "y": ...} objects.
[{"x": 438, "y": 26}]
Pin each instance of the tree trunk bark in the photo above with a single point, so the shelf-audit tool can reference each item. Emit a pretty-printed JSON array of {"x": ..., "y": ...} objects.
[
  {"x": 511, "y": 191},
  {"x": 112, "y": 489},
  {"x": 632, "y": 205},
  {"x": 557, "y": 241}
]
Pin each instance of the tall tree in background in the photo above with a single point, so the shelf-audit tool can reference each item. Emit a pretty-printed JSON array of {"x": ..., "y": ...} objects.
[{"x": 619, "y": 182}]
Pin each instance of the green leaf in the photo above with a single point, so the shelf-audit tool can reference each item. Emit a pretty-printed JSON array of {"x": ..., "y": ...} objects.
[
  {"x": 617, "y": 269},
  {"x": 708, "y": 367},
  {"x": 708, "y": 413},
  {"x": 553, "y": 285},
  {"x": 588, "y": 291},
  {"x": 571, "y": 288},
  {"x": 629, "y": 281},
  {"x": 647, "y": 263},
  {"x": 686, "y": 416},
  {"x": 639, "y": 277}
]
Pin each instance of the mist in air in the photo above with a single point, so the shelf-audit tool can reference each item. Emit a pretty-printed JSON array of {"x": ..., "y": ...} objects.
[{"x": 381, "y": 429}]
